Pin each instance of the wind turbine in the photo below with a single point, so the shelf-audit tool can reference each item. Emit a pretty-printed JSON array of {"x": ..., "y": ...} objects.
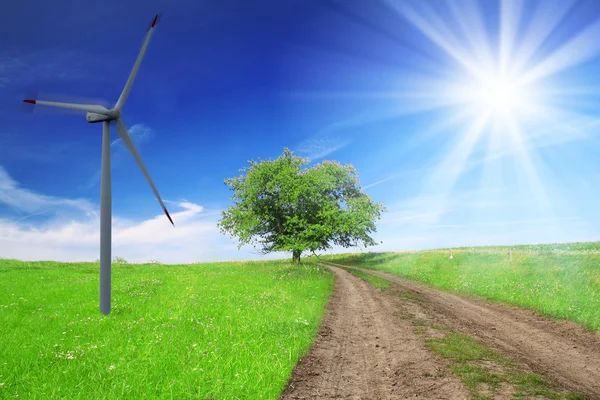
[{"x": 98, "y": 113}]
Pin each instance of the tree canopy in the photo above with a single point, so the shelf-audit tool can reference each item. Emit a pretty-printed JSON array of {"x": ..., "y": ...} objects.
[{"x": 282, "y": 205}]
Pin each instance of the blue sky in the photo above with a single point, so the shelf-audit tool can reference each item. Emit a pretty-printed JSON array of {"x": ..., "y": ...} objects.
[{"x": 475, "y": 121}]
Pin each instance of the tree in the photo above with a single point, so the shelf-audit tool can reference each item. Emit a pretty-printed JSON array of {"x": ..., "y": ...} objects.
[{"x": 281, "y": 206}]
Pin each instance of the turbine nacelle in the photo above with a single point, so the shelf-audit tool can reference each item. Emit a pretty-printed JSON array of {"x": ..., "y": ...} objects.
[{"x": 92, "y": 118}]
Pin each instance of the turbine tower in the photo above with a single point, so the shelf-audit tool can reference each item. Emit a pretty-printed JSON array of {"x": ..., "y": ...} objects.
[{"x": 98, "y": 113}]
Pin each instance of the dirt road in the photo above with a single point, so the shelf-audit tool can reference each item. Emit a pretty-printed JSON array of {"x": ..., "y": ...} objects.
[
  {"x": 560, "y": 350},
  {"x": 365, "y": 351}
]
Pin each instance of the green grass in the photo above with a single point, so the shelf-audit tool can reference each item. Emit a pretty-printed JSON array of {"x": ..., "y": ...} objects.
[
  {"x": 484, "y": 371},
  {"x": 375, "y": 281},
  {"x": 220, "y": 331},
  {"x": 561, "y": 281}
]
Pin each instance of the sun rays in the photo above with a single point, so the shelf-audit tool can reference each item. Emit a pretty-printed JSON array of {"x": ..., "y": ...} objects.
[
  {"x": 501, "y": 71},
  {"x": 475, "y": 94}
]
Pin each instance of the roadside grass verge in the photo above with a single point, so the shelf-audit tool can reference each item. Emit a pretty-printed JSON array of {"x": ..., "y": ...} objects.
[
  {"x": 562, "y": 281},
  {"x": 487, "y": 373},
  {"x": 374, "y": 281},
  {"x": 220, "y": 330},
  {"x": 380, "y": 283}
]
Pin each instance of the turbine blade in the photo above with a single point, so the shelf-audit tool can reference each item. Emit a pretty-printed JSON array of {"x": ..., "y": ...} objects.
[
  {"x": 122, "y": 130},
  {"x": 28, "y": 108},
  {"x": 136, "y": 66},
  {"x": 80, "y": 107}
]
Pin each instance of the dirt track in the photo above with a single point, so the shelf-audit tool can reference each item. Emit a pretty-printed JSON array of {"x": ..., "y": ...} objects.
[{"x": 365, "y": 351}]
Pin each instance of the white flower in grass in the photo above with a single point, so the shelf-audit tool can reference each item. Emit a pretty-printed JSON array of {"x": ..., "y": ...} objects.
[{"x": 111, "y": 367}]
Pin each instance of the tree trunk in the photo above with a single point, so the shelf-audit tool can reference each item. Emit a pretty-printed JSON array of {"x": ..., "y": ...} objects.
[{"x": 296, "y": 256}]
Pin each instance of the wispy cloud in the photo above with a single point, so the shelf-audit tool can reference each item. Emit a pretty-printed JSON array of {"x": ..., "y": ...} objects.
[
  {"x": 379, "y": 182},
  {"x": 318, "y": 147},
  {"x": 324, "y": 142},
  {"x": 195, "y": 238},
  {"x": 23, "y": 200},
  {"x": 339, "y": 134},
  {"x": 391, "y": 177},
  {"x": 35, "y": 214}
]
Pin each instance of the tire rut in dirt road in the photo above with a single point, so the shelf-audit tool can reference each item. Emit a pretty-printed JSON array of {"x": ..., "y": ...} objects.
[
  {"x": 364, "y": 351},
  {"x": 563, "y": 351}
]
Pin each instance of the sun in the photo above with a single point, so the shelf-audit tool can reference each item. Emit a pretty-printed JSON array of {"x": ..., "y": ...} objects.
[{"x": 497, "y": 95}]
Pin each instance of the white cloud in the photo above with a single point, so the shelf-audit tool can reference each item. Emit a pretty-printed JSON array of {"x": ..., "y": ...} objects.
[{"x": 74, "y": 235}]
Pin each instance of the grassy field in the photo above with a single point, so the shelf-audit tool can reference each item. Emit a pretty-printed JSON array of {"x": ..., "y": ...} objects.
[
  {"x": 219, "y": 331},
  {"x": 561, "y": 280}
]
